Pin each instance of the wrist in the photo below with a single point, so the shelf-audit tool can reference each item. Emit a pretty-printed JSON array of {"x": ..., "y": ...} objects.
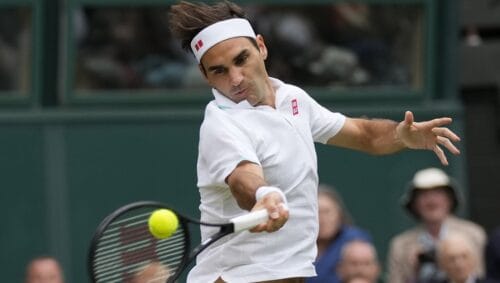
[
  {"x": 399, "y": 138},
  {"x": 264, "y": 190}
]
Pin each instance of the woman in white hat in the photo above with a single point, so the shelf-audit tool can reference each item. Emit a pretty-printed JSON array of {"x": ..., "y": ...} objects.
[{"x": 432, "y": 198}]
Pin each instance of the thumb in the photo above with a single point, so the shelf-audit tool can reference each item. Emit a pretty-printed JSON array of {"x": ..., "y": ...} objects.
[{"x": 409, "y": 119}]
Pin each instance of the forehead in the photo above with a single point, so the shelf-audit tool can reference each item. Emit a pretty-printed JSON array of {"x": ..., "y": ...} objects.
[
  {"x": 359, "y": 250},
  {"x": 455, "y": 245},
  {"x": 226, "y": 50},
  {"x": 434, "y": 191},
  {"x": 44, "y": 265},
  {"x": 456, "y": 250},
  {"x": 326, "y": 201}
]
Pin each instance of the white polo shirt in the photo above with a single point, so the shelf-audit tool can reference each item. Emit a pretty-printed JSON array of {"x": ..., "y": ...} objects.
[{"x": 281, "y": 141}]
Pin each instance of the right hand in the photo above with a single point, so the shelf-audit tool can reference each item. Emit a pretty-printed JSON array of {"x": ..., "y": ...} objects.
[
  {"x": 278, "y": 213},
  {"x": 429, "y": 135}
]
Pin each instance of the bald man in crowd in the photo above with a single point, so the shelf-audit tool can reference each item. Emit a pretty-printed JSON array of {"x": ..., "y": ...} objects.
[
  {"x": 359, "y": 262},
  {"x": 44, "y": 269},
  {"x": 457, "y": 258}
]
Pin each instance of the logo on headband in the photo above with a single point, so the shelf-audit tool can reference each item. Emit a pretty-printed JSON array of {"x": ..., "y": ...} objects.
[
  {"x": 198, "y": 45},
  {"x": 219, "y": 31}
]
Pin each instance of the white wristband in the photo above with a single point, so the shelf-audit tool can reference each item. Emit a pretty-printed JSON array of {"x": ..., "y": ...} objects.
[{"x": 264, "y": 190}]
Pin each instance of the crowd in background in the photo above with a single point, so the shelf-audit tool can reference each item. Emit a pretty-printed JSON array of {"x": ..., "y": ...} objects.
[
  {"x": 131, "y": 47},
  {"x": 316, "y": 45},
  {"x": 440, "y": 248}
]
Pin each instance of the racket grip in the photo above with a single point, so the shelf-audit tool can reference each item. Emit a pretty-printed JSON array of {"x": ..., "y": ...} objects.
[{"x": 249, "y": 220}]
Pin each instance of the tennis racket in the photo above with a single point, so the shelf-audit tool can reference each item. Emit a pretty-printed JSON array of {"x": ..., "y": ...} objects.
[{"x": 123, "y": 250}]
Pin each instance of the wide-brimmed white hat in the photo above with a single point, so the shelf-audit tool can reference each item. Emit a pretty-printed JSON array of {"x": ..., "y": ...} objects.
[{"x": 429, "y": 179}]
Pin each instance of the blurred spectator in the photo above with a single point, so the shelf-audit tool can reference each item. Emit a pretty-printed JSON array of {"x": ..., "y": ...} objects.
[
  {"x": 456, "y": 256},
  {"x": 493, "y": 255},
  {"x": 130, "y": 48},
  {"x": 300, "y": 54},
  {"x": 15, "y": 48},
  {"x": 472, "y": 37},
  {"x": 357, "y": 280},
  {"x": 359, "y": 260},
  {"x": 431, "y": 198},
  {"x": 44, "y": 269},
  {"x": 342, "y": 44},
  {"x": 154, "y": 272},
  {"x": 335, "y": 230},
  {"x": 319, "y": 45}
]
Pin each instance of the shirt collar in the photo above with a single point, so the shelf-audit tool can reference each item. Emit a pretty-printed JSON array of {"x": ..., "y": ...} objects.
[
  {"x": 427, "y": 241},
  {"x": 224, "y": 103}
]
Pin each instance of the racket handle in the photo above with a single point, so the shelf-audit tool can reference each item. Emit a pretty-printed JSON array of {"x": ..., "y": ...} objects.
[{"x": 249, "y": 220}]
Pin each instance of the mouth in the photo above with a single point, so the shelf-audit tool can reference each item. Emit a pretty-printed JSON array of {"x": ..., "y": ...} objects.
[{"x": 240, "y": 92}]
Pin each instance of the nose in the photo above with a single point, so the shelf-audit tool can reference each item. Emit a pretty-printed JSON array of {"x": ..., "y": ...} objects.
[{"x": 236, "y": 76}]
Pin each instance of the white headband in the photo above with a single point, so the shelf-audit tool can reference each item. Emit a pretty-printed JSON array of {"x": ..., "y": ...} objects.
[{"x": 218, "y": 32}]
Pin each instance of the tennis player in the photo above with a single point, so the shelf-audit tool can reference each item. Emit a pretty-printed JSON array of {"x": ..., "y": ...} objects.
[{"x": 256, "y": 149}]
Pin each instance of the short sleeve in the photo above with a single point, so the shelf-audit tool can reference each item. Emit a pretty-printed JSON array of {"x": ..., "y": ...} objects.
[{"x": 324, "y": 123}]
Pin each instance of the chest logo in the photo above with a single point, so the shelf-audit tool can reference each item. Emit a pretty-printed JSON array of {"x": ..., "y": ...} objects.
[{"x": 295, "y": 107}]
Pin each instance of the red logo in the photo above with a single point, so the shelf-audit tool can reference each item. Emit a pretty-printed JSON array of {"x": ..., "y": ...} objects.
[
  {"x": 198, "y": 45},
  {"x": 295, "y": 107}
]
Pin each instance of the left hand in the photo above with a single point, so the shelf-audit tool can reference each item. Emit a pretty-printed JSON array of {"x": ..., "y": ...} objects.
[{"x": 428, "y": 135}]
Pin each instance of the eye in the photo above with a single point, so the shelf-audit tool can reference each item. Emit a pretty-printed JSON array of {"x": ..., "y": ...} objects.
[
  {"x": 218, "y": 71},
  {"x": 241, "y": 59}
]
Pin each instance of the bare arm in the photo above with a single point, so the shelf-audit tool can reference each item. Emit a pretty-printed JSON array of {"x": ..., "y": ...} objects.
[
  {"x": 244, "y": 182},
  {"x": 375, "y": 136},
  {"x": 386, "y": 136}
]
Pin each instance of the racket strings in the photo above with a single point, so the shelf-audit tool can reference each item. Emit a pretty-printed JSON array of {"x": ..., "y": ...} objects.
[{"x": 127, "y": 252}]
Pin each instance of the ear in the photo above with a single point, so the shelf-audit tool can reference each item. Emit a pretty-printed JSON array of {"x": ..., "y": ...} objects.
[{"x": 262, "y": 46}]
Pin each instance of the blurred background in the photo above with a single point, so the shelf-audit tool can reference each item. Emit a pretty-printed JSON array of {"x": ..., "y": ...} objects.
[{"x": 99, "y": 107}]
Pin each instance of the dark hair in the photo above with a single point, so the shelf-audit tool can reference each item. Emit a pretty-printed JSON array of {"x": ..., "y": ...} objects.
[{"x": 187, "y": 19}]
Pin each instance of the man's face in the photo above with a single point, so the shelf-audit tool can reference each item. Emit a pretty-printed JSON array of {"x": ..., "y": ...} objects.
[
  {"x": 359, "y": 260},
  {"x": 44, "y": 271},
  {"x": 235, "y": 67},
  {"x": 154, "y": 272},
  {"x": 432, "y": 205},
  {"x": 457, "y": 260}
]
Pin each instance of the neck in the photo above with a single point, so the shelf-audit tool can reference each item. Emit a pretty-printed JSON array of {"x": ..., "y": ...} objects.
[
  {"x": 434, "y": 228},
  {"x": 270, "y": 98}
]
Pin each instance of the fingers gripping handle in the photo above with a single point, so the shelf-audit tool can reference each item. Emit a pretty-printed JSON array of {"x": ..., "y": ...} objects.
[{"x": 249, "y": 220}]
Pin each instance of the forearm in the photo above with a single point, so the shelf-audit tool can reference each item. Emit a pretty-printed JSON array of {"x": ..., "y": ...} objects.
[
  {"x": 244, "y": 182},
  {"x": 382, "y": 137},
  {"x": 374, "y": 136}
]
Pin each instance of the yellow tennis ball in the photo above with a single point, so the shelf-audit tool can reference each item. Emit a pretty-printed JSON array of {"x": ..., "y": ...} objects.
[{"x": 163, "y": 223}]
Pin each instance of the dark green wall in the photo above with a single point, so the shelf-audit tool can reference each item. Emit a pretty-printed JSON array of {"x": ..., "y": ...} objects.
[
  {"x": 61, "y": 176},
  {"x": 62, "y": 172}
]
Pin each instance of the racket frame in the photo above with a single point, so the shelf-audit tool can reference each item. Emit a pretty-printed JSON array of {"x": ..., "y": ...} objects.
[{"x": 224, "y": 230}]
